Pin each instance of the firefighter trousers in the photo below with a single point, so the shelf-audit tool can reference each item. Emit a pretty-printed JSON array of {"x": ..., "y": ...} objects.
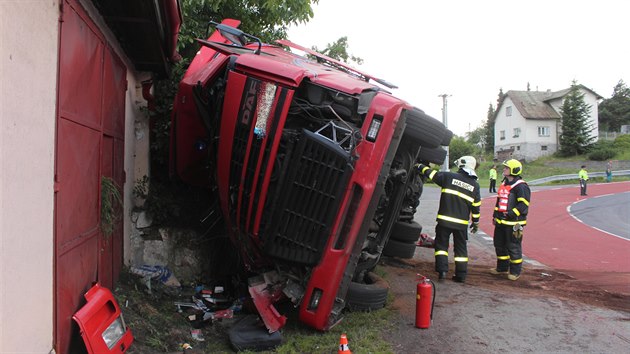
[
  {"x": 509, "y": 250},
  {"x": 460, "y": 237}
]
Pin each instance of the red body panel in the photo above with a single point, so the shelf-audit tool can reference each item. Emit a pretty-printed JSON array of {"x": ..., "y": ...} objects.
[
  {"x": 94, "y": 318},
  {"x": 327, "y": 275}
]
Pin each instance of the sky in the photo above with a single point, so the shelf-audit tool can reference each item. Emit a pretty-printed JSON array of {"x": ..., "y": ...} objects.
[{"x": 471, "y": 49}]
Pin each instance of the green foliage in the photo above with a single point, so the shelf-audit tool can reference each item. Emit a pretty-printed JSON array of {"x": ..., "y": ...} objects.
[
  {"x": 622, "y": 143},
  {"x": 339, "y": 50},
  {"x": 477, "y": 137},
  {"x": 601, "y": 151},
  {"x": 265, "y": 19},
  {"x": 575, "y": 138},
  {"x": 615, "y": 111},
  {"x": 460, "y": 147},
  {"x": 111, "y": 204},
  {"x": 488, "y": 138}
]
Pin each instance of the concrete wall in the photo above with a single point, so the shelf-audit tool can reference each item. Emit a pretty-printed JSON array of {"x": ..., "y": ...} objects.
[
  {"x": 28, "y": 72},
  {"x": 29, "y": 39}
]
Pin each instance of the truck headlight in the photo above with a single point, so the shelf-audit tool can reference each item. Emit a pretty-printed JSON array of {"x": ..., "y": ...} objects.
[
  {"x": 266, "y": 97},
  {"x": 112, "y": 334},
  {"x": 375, "y": 126}
]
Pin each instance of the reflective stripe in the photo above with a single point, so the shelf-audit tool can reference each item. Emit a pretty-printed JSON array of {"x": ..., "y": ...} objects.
[
  {"x": 448, "y": 218},
  {"x": 461, "y": 259},
  {"x": 516, "y": 261},
  {"x": 503, "y": 258},
  {"x": 441, "y": 253},
  {"x": 521, "y": 199},
  {"x": 477, "y": 204},
  {"x": 424, "y": 169},
  {"x": 476, "y": 215},
  {"x": 459, "y": 194},
  {"x": 511, "y": 223},
  {"x": 432, "y": 174},
  {"x": 518, "y": 213}
]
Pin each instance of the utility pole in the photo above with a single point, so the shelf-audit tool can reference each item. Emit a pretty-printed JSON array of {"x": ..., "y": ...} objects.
[{"x": 445, "y": 121}]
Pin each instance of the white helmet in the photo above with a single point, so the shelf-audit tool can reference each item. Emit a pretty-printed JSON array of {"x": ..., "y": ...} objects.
[{"x": 466, "y": 162}]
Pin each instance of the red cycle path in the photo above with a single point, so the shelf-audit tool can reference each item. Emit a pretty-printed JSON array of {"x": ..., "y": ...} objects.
[{"x": 556, "y": 239}]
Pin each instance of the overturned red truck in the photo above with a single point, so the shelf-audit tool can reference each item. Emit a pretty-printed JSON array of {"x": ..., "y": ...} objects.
[{"x": 312, "y": 162}]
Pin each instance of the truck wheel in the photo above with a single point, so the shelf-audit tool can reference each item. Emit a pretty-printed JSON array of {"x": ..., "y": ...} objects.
[
  {"x": 369, "y": 295},
  {"x": 250, "y": 333},
  {"x": 423, "y": 129},
  {"x": 399, "y": 249},
  {"x": 434, "y": 155},
  {"x": 406, "y": 231},
  {"x": 447, "y": 138}
]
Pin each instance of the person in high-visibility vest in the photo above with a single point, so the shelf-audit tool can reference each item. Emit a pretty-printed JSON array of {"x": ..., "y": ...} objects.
[
  {"x": 509, "y": 219},
  {"x": 460, "y": 202},
  {"x": 493, "y": 179},
  {"x": 583, "y": 176}
]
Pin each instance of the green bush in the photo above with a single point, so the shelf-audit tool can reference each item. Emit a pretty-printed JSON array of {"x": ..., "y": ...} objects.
[
  {"x": 601, "y": 154},
  {"x": 622, "y": 142}
]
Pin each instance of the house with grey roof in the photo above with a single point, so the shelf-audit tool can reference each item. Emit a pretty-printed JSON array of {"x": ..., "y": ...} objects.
[{"x": 528, "y": 123}]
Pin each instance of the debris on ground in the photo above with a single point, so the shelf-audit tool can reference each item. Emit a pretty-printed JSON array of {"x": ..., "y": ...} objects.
[
  {"x": 155, "y": 272},
  {"x": 425, "y": 241}
]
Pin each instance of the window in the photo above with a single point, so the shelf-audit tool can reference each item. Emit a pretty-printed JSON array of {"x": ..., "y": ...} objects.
[
  {"x": 543, "y": 131},
  {"x": 502, "y": 135},
  {"x": 543, "y": 147},
  {"x": 517, "y": 132},
  {"x": 518, "y": 148},
  {"x": 508, "y": 111}
]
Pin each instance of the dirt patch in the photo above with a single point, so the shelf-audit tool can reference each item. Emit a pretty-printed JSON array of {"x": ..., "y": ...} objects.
[{"x": 533, "y": 282}]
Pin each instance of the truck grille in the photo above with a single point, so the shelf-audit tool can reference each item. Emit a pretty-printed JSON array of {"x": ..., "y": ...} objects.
[
  {"x": 298, "y": 209},
  {"x": 311, "y": 195}
]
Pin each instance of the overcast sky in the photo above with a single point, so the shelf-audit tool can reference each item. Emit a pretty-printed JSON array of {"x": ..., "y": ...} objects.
[{"x": 471, "y": 49}]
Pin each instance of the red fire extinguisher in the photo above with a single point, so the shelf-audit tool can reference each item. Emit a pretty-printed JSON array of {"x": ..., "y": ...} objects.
[{"x": 424, "y": 302}]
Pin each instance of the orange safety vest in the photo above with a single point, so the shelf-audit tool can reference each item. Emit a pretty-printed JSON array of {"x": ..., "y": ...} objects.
[{"x": 504, "y": 193}]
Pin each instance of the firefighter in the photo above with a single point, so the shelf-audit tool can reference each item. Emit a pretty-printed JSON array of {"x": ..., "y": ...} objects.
[
  {"x": 460, "y": 201},
  {"x": 509, "y": 219}
]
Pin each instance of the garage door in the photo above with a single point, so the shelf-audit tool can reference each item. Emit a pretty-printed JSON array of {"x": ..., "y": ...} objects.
[{"x": 90, "y": 144}]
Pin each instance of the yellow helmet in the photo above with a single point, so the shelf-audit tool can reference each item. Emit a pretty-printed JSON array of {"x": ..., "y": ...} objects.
[{"x": 514, "y": 165}]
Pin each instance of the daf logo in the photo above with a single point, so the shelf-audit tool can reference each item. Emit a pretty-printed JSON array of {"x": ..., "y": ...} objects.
[{"x": 249, "y": 102}]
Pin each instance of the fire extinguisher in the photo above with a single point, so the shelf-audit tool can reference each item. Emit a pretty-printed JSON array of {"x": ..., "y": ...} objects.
[{"x": 424, "y": 302}]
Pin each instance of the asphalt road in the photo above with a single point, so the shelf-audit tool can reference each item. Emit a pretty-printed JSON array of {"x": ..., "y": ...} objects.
[
  {"x": 489, "y": 314},
  {"x": 608, "y": 213}
]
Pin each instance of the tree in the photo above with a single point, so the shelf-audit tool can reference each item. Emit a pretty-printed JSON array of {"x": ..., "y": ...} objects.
[
  {"x": 576, "y": 136},
  {"x": 488, "y": 142},
  {"x": 460, "y": 147},
  {"x": 615, "y": 111},
  {"x": 266, "y": 19},
  {"x": 477, "y": 137},
  {"x": 339, "y": 50}
]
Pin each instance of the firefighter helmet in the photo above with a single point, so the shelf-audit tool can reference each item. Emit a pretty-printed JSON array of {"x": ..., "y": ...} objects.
[
  {"x": 514, "y": 165},
  {"x": 466, "y": 161}
]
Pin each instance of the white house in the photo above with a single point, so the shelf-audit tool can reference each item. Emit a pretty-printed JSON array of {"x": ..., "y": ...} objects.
[
  {"x": 74, "y": 76},
  {"x": 528, "y": 123}
]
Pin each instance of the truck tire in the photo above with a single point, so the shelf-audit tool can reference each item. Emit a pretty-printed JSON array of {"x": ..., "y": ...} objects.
[
  {"x": 250, "y": 333},
  {"x": 369, "y": 295},
  {"x": 404, "y": 250},
  {"x": 406, "y": 231},
  {"x": 447, "y": 138},
  {"x": 433, "y": 155},
  {"x": 423, "y": 129}
]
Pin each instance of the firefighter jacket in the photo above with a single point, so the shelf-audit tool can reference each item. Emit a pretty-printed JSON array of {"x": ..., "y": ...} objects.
[
  {"x": 512, "y": 202},
  {"x": 460, "y": 199}
]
